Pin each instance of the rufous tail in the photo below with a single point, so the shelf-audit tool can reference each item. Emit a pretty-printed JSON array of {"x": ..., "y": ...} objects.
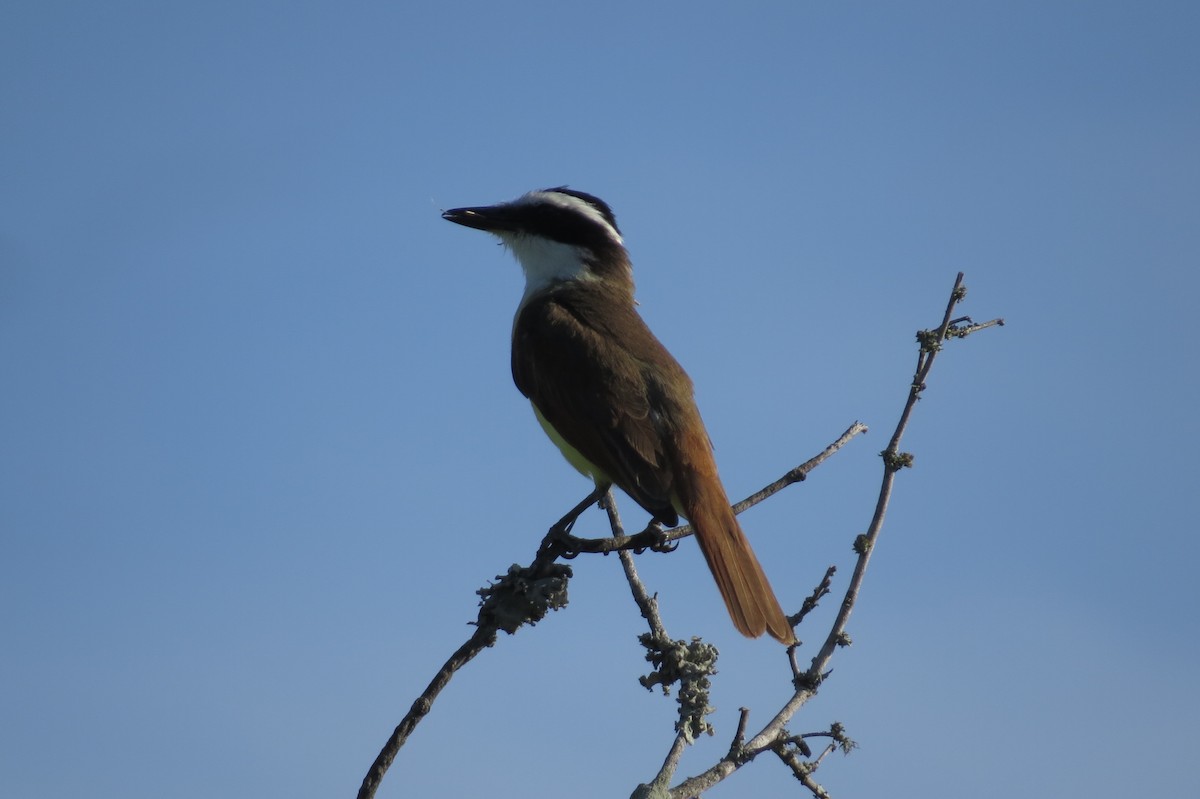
[{"x": 748, "y": 596}]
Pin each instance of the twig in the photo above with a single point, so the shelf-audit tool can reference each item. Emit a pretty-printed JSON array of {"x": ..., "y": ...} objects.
[
  {"x": 653, "y": 536},
  {"x": 810, "y": 602},
  {"x": 828, "y": 748},
  {"x": 647, "y": 605},
  {"x": 773, "y": 735},
  {"x": 817, "y": 790},
  {"x": 670, "y": 763},
  {"x": 690, "y": 716},
  {"x": 802, "y": 769},
  {"x": 893, "y": 462},
  {"x": 524, "y": 595},
  {"x": 797, "y": 474},
  {"x": 482, "y": 639},
  {"x": 739, "y": 737},
  {"x": 693, "y": 657}
]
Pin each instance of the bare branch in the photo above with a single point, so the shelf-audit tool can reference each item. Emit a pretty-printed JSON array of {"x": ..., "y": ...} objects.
[
  {"x": 524, "y": 595},
  {"x": 653, "y": 537},
  {"x": 893, "y": 461},
  {"x": 801, "y": 769},
  {"x": 774, "y": 735},
  {"x": 658, "y": 643},
  {"x": 964, "y": 326},
  {"x": 810, "y": 602},
  {"x": 739, "y": 737},
  {"x": 647, "y": 605},
  {"x": 658, "y": 788},
  {"x": 797, "y": 474},
  {"x": 482, "y": 639}
]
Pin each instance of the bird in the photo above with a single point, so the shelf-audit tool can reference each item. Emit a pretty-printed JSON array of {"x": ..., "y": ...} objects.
[{"x": 617, "y": 404}]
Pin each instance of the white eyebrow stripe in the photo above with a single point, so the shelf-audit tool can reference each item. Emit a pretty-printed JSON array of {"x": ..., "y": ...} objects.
[{"x": 574, "y": 203}]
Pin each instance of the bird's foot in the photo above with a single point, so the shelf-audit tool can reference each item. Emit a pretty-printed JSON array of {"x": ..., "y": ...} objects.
[{"x": 658, "y": 541}]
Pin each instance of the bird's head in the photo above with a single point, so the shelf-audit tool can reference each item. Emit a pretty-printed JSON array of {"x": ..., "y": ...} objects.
[{"x": 557, "y": 235}]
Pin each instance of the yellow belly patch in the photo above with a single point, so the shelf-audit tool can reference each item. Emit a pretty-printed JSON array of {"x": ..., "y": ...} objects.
[{"x": 573, "y": 456}]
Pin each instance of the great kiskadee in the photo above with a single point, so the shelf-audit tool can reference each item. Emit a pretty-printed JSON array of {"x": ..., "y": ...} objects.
[{"x": 606, "y": 391}]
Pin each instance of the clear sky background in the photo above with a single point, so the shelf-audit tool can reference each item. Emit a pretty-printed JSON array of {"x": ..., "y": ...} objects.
[{"x": 259, "y": 444}]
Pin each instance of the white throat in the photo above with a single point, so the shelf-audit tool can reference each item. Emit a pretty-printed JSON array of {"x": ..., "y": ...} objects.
[{"x": 545, "y": 262}]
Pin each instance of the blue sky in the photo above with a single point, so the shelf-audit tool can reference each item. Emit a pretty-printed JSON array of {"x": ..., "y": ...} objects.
[{"x": 259, "y": 443}]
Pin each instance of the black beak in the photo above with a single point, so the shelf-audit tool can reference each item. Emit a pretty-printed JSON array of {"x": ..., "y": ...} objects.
[{"x": 492, "y": 218}]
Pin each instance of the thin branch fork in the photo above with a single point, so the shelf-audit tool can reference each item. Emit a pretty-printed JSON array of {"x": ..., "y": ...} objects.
[
  {"x": 654, "y": 537},
  {"x": 807, "y": 682},
  {"x": 545, "y": 575},
  {"x": 559, "y": 543},
  {"x": 893, "y": 461}
]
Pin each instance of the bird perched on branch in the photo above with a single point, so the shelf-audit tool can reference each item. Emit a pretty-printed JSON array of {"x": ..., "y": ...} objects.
[{"x": 608, "y": 393}]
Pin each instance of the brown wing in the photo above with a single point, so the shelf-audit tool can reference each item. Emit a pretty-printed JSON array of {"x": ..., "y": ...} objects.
[
  {"x": 633, "y": 417},
  {"x": 572, "y": 357}
]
